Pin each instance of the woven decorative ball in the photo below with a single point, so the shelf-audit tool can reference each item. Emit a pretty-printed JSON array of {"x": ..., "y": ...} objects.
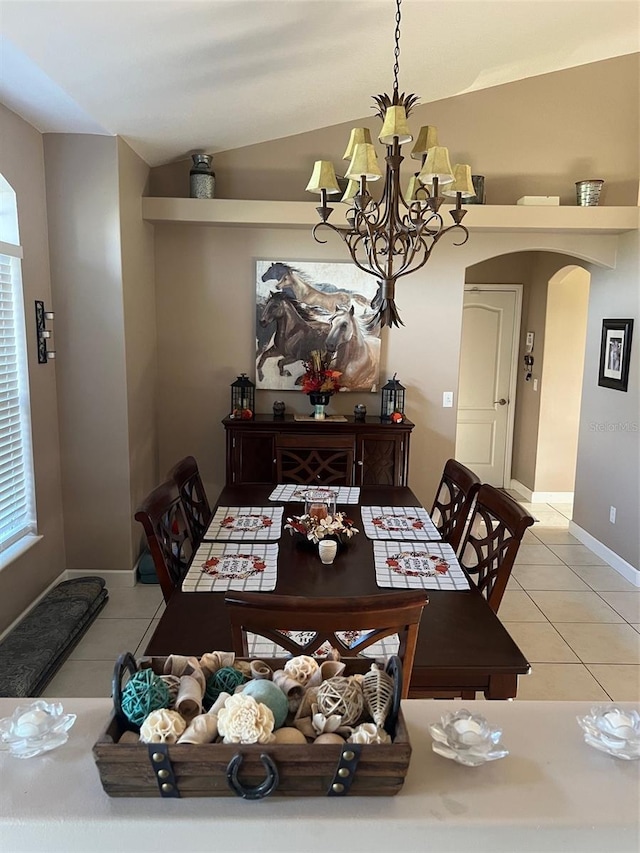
[
  {"x": 270, "y": 695},
  {"x": 225, "y": 680},
  {"x": 341, "y": 696},
  {"x": 143, "y": 693}
]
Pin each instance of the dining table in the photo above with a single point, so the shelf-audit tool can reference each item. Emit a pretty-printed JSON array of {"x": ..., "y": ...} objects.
[{"x": 462, "y": 648}]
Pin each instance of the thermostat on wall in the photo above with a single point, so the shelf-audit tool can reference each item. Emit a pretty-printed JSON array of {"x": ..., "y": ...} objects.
[{"x": 544, "y": 200}]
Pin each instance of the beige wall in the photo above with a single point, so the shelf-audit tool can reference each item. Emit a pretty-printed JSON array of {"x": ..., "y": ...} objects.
[
  {"x": 22, "y": 164},
  {"x": 608, "y": 470},
  {"x": 531, "y": 137},
  {"x": 561, "y": 384}
]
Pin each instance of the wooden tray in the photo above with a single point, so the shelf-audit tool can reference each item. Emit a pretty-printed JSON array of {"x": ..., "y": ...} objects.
[{"x": 253, "y": 771}]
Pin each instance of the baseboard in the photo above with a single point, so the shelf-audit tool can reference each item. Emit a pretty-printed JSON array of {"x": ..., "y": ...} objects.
[
  {"x": 124, "y": 578},
  {"x": 61, "y": 577},
  {"x": 541, "y": 497},
  {"x": 610, "y": 557}
]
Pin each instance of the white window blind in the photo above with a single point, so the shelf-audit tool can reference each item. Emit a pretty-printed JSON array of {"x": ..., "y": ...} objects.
[{"x": 17, "y": 510}]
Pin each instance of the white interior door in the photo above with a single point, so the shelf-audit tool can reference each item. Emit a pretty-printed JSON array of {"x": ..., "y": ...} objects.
[{"x": 486, "y": 390}]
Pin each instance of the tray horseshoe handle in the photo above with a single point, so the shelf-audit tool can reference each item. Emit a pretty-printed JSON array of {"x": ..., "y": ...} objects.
[
  {"x": 266, "y": 787},
  {"x": 394, "y": 669},
  {"x": 126, "y": 661}
]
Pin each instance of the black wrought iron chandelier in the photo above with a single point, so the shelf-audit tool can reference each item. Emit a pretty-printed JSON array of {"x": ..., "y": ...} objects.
[{"x": 394, "y": 236}]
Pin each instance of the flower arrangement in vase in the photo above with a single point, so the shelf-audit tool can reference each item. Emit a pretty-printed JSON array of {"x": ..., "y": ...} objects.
[
  {"x": 319, "y": 381},
  {"x": 313, "y": 528}
]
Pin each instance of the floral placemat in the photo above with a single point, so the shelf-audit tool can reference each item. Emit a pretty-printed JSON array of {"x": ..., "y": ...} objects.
[
  {"x": 293, "y": 492},
  {"x": 246, "y": 523},
  {"x": 418, "y": 565},
  {"x": 395, "y": 522},
  {"x": 218, "y": 566}
]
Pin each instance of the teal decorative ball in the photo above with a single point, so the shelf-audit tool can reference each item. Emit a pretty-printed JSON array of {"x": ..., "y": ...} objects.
[
  {"x": 143, "y": 693},
  {"x": 225, "y": 680},
  {"x": 270, "y": 695}
]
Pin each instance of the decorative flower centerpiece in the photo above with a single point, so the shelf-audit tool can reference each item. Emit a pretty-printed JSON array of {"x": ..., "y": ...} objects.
[
  {"x": 313, "y": 529},
  {"x": 318, "y": 377}
]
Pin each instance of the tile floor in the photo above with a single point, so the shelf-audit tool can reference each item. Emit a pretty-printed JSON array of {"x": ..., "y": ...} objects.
[{"x": 575, "y": 618}]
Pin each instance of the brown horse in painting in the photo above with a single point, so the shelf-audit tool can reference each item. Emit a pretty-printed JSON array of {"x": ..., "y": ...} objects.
[
  {"x": 353, "y": 352},
  {"x": 330, "y": 301},
  {"x": 296, "y": 335}
]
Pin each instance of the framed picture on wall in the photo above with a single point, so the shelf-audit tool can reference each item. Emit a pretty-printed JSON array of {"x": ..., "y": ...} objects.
[
  {"x": 305, "y": 306},
  {"x": 615, "y": 354}
]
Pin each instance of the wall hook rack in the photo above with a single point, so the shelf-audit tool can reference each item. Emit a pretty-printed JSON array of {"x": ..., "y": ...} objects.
[{"x": 43, "y": 333}]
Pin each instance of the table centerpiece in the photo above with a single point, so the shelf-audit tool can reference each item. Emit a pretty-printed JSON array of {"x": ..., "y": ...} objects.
[{"x": 312, "y": 529}]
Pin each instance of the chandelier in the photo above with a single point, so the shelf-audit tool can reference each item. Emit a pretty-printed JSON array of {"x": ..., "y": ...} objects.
[{"x": 394, "y": 236}]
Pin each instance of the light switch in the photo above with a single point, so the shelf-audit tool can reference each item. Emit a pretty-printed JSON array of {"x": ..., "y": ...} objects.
[
  {"x": 447, "y": 399},
  {"x": 535, "y": 384}
]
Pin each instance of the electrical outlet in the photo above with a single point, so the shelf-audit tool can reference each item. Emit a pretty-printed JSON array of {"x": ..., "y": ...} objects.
[
  {"x": 612, "y": 514},
  {"x": 535, "y": 384},
  {"x": 447, "y": 399}
]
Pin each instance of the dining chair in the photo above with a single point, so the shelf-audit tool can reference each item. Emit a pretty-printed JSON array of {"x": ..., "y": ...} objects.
[
  {"x": 376, "y": 617},
  {"x": 186, "y": 476},
  {"x": 492, "y": 540},
  {"x": 454, "y": 498},
  {"x": 163, "y": 517}
]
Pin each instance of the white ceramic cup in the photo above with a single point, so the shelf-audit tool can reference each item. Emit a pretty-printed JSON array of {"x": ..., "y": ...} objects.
[{"x": 327, "y": 549}]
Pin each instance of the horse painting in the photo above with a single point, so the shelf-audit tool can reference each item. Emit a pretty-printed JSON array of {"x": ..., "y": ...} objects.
[
  {"x": 329, "y": 300},
  {"x": 355, "y": 353},
  {"x": 296, "y": 334}
]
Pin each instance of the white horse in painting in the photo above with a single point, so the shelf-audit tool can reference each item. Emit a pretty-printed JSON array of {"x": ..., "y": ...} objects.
[
  {"x": 328, "y": 300},
  {"x": 354, "y": 354}
]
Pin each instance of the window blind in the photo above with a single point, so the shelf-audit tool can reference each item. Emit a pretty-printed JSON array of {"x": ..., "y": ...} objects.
[{"x": 17, "y": 512}]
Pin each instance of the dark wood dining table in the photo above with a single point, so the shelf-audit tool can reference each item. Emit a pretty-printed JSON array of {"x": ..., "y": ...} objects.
[{"x": 462, "y": 645}]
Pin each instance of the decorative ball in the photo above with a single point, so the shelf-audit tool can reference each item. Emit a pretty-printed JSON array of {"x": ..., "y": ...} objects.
[
  {"x": 341, "y": 696},
  {"x": 270, "y": 695},
  {"x": 225, "y": 680},
  {"x": 288, "y": 734},
  {"x": 329, "y": 737},
  {"x": 246, "y": 414},
  {"x": 397, "y": 417},
  {"x": 143, "y": 693},
  {"x": 162, "y": 726},
  {"x": 301, "y": 668},
  {"x": 243, "y": 720}
]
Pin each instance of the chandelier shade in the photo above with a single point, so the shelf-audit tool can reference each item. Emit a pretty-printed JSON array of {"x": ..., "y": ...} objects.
[
  {"x": 462, "y": 182},
  {"x": 395, "y": 235}
]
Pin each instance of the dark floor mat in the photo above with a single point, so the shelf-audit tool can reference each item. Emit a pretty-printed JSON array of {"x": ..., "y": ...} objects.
[{"x": 32, "y": 653}]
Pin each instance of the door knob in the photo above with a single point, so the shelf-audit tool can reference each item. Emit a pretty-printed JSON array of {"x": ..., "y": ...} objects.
[{"x": 500, "y": 402}]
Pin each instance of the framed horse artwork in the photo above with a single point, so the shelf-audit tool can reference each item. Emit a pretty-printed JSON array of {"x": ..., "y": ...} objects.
[{"x": 303, "y": 306}]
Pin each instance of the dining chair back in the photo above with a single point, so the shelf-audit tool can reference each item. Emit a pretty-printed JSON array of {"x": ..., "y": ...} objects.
[
  {"x": 163, "y": 517},
  {"x": 328, "y": 619},
  {"x": 454, "y": 498},
  {"x": 492, "y": 540},
  {"x": 186, "y": 476}
]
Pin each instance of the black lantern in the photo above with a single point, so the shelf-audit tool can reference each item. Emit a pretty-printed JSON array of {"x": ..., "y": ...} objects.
[
  {"x": 392, "y": 399},
  {"x": 243, "y": 397}
]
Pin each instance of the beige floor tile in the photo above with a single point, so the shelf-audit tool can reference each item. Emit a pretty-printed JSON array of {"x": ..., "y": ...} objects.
[
  {"x": 627, "y": 604},
  {"x": 563, "y": 509},
  {"x": 574, "y": 606},
  {"x": 553, "y": 535},
  {"x": 81, "y": 678},
  {"x": 550, "y": 518},
  {"x": 541, "y": 643},
  {"x": 637, "y": 627},
  {"x": 537, "y": 554},
  {"x": 621, "y": 681},
  {"x": 108, "y": 638},
  {"x": 138, "y": 602},
  {"x": 512, "y": 583},
  {"x": 516, "y": 606},
  {"x": 547, "y": 577},
  {"x": 602, "y": 643},
  {"x": 603, "y": 578},
  {"x": 139, "y": 652},
  {"x": 565, "y": 682},
  {"x": 577, "y": 555}
]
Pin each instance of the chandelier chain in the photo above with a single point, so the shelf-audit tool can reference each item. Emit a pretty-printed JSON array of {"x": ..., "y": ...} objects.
[{"x": 396, "y": 52}]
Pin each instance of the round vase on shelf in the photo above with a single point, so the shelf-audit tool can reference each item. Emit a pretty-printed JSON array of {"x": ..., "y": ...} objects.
[{"x": 319, "y": 400}]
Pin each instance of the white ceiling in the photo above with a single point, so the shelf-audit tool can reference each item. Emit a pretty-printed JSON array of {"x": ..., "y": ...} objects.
[{"x": 173, "y": 76}]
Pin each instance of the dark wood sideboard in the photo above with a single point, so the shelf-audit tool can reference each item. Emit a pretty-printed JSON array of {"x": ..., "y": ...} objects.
[{"x": 367, "y": 452}]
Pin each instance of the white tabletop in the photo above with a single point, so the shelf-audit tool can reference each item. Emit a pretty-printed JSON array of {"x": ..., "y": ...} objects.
[{"x": 552, "y": 793}]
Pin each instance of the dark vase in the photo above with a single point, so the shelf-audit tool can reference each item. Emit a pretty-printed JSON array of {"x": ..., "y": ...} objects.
[{"x": 319, "y": 399}]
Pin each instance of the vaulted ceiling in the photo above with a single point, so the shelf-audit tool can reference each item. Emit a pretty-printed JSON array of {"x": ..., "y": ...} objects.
[{"x": 173, "y": 76}]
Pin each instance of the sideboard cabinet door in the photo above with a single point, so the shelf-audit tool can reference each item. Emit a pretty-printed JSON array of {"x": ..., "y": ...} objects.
[
  {"x": 383, "y": 460},
  {"x": 250, "y": 457}
]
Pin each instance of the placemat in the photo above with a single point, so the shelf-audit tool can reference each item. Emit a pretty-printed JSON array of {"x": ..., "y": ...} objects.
[
  {"x": 293, "y": 492},
  {"x": 418, "y": 565},
  {"x": 393, "y": 522},
  {"x": 218, "y": 566},
  {"x": 245, "y": 523},
  {"x": 259, "y": 647}
]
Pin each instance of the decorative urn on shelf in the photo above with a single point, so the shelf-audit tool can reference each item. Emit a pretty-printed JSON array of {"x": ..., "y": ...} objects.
[{"x": 319, "y": 381}]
